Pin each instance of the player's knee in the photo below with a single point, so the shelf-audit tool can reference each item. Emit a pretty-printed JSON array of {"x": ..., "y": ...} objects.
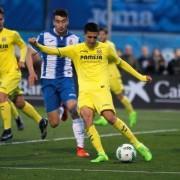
[
  {"x": 53, "y": 120},
  {"x": 53, "y": 124},
  {"x": 20, "y": 104},
  {"x": 109, "y": 116},
  {"x": 73, "y": 112},
  {"x": 3, "y": 97}
]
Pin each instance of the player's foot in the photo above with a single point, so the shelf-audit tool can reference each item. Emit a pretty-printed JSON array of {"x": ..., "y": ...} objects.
[
  {"x": 6, "y": 135},
  {"x": 63, "y": 114},
  {"x": 19, "y": 123},
  {"x": 101, "y": 157},
  {"x": 43, "y": 127},
  {"x": 132, "y": 118},
  {"x": 81, "y": 152},
  {"x": 144, "y": 151},
  {"x": 101, "y": 121}
]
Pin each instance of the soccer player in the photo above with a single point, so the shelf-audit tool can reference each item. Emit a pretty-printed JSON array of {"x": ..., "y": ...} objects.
[
  {"x": 116, "y": 85},
  {"x": 90, "y": 59},
  {"x": 10, "y": 73},
  {"x": 10, "y": 76},
  {"x": 57, "y": 79}
]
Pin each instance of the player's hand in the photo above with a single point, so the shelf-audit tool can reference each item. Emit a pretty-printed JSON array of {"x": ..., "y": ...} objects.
[
  {"x": 32, "y": 78},
  {"x": 148, "y": 78},
  {"x": 21, "y": 64},
  {"x": 32, "y": 41}
]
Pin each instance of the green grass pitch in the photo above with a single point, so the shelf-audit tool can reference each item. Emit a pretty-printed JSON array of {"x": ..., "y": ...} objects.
[{"x": 55, "y": 157}]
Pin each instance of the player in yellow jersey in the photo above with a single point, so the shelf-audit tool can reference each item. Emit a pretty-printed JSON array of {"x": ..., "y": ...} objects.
[
  {"x": 116, "y": 85},
  {"x": 90, "y": 59},
  {"x": 10, "y": 75}
]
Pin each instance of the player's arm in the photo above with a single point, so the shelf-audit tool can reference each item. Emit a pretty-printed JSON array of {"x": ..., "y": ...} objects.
[
  {"x": 63, "y": 52},
  {"x": 124, "y": 65},
  {"x": 22, "y": 46},
  {"x": 30, "y": 57}
]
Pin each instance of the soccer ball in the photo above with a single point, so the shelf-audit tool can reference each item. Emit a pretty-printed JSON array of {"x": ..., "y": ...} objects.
[{"x": 126, "y": 153}]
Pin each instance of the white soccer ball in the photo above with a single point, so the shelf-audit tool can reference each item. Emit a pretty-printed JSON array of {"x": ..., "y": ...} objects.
[{"x": 126, "y": 153}]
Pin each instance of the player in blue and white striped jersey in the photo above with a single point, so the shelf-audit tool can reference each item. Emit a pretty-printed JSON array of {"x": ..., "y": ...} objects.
[{"x": 57, "y": 78}]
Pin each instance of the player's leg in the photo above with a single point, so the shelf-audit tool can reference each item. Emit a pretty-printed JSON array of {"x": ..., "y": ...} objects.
[
  {"x": 122, "y": 128},
  {"x": 68, "y": 97},
  {"x": 8, "y": 83},
  {"x": 86, "y": 107},
  {"x": 78, "y": 128},
  {"x": 31, "y": 112},
  {"x": 87, "y": 114},
  {"x": 51, "y": 101},
  {"x": 5, "y": 110},
  {"x": 17, "y": 118}
]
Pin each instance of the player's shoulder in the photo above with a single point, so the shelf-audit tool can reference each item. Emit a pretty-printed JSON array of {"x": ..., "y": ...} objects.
[
  {"x": 110, "y": 43},
  {"x": 102, "y": 45},
  {"x": 10, "y": 31},
  {"x": 72, "y": 38}
]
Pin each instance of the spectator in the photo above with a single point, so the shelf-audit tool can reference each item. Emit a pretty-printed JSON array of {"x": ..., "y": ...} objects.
[
  {"x": 159, "y": 62},
  {"x": 174, "y": 64},
  {"x": 129, "y": 57},
  {"x": 145, "y": 61}
]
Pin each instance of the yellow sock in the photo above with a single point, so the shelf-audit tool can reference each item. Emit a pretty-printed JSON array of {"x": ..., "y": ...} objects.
[
  {"x": 122, "y": 127},
  {"x": 5, "y": 110},
  {"x": 14, "y": 111},
  {"x": 95, "y": 139},
  {"x": 127, "y": 104},
  {"x": 30, "y": 111}
]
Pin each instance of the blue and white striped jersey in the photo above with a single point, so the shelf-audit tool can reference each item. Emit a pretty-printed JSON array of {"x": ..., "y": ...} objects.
[{"x": 54, "y": 66}]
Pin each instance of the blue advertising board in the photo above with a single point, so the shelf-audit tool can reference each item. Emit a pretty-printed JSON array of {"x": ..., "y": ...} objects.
[
  {"x": 24, "y": 15},
  {"x": 127, "y": 15}
]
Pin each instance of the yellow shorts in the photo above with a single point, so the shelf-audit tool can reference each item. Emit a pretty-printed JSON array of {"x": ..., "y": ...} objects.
[
  {"x": 98, "y": 100},
  {"x": 9, "y": 82},
  {"x": 116, "y": 85}
]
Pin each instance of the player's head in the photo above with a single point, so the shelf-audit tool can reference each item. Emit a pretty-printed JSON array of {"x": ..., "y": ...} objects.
[
  {"x": 103, "y": 34},
  {"x": 60, "y": 20},
  {"x": 1, "y": 18},
  {"x": 91, "y": 31}
]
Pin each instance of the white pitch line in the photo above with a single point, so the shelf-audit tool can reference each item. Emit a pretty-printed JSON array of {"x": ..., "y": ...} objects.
[
  {"x": 103, "y": 135},
  {"x": 93, "y": 170}
]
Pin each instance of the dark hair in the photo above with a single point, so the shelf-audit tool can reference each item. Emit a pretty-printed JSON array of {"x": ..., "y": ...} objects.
[
  {"x": 92, "y": 27},
  {"x": 104, "y": 29},
  {"x": 60, "y": 12},
  {"x": 1, "y": 11}
]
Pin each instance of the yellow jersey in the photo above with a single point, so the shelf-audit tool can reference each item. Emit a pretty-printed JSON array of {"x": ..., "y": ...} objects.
[
  {"x": 91, "y": 64},
  {"x": 8, "y": 40},
  {"x": 112, "y": 67}
]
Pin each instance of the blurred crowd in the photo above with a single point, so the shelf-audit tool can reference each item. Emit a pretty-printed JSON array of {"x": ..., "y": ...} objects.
[{"x": 153, "y": 63}]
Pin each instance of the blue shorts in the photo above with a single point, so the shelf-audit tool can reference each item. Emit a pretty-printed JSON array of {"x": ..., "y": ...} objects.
[{"x": 57, "y": 91}]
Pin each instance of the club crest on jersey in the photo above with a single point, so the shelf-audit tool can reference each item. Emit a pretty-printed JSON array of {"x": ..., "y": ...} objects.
[
  {"x": 99, "y": 51},
  {"x": 71, "y": 42}
]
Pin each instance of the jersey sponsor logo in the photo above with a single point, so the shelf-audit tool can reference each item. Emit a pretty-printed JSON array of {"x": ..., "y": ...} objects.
[
  {"x": 91, "y": 57},
  {"x": 3, "y": 46}
]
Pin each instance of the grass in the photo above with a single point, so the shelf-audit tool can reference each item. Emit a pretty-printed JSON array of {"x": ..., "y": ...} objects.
[{"x": 57, "y": 160}]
